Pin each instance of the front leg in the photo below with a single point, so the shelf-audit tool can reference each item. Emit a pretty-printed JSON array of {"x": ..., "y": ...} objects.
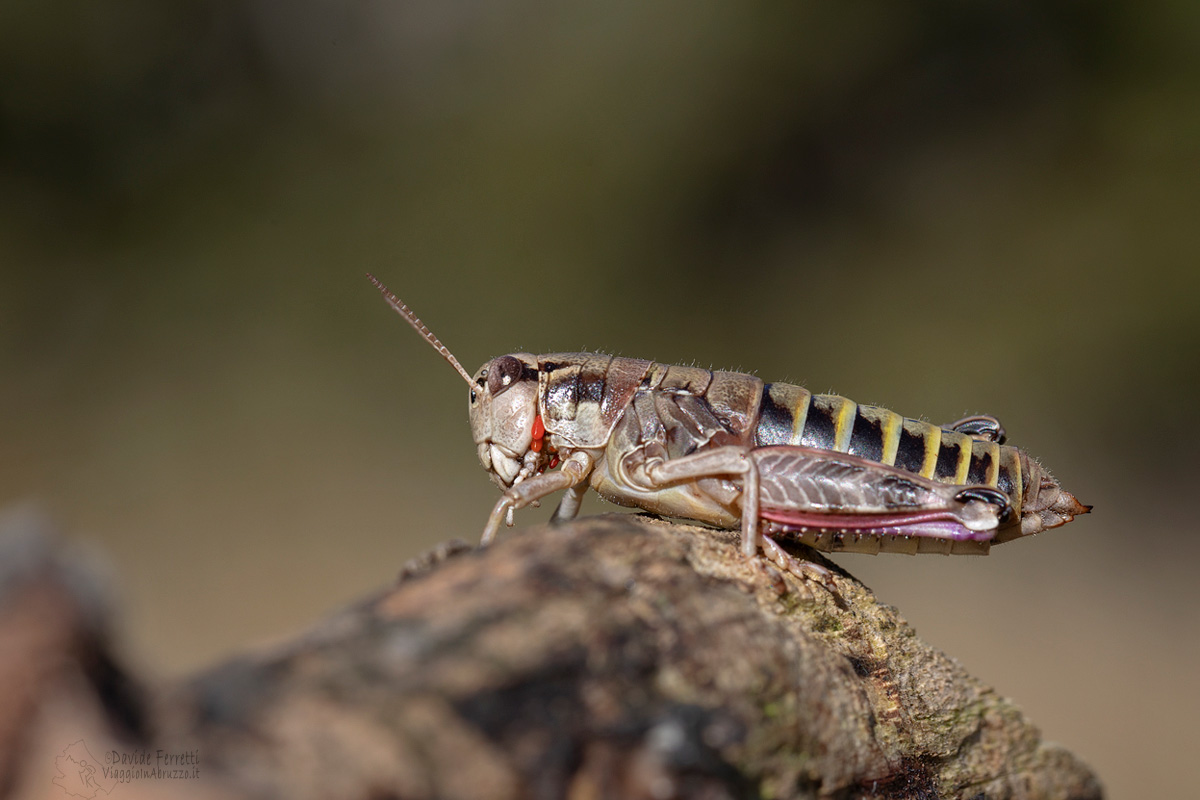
[
  {"x": 574, "y": 471},
  {"x": 568, "y": 507}
]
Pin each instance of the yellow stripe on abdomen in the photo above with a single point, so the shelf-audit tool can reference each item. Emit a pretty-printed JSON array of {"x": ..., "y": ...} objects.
[{"x": 830, "y": 423}]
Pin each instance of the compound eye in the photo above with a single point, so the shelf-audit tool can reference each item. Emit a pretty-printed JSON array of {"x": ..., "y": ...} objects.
[{"x": 504, "y": 372}]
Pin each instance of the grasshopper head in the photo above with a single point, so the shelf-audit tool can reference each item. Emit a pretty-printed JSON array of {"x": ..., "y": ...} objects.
[
  {"x": 504, "y": 408},
  {"x": 504, "y": 405}
]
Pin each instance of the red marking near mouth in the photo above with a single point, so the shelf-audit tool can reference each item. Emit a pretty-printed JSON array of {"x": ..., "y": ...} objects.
[{"x": 539, "y": 434}]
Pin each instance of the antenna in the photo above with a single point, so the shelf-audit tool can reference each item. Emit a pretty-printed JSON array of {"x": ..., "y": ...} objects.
[{"x": 426, "y": 334}]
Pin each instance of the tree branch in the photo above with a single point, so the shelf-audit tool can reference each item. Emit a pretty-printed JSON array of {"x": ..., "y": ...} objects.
[
  {"x": 618, "y": 657},
  {"x": 612, "y": 657}
]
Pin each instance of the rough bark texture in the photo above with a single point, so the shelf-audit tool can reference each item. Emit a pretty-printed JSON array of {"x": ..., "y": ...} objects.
[{"x": 613, "y": 657}]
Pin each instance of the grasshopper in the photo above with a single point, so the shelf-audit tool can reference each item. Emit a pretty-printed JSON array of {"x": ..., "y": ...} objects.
[{"x": 727, "y": 449}]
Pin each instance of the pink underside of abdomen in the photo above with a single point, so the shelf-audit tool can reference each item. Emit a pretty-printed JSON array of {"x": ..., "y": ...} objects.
[{"x": 934, "y": 524}]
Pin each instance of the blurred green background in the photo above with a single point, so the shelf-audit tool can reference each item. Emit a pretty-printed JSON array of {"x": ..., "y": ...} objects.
[{"x": 941, "y": 207}]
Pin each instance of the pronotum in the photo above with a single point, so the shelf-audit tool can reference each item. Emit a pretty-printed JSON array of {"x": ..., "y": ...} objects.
[{"x": 727, "y": 449}]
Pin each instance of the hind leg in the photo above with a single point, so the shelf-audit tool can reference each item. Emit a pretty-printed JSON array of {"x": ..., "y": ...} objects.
[{"x": 804, "y": 570}]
